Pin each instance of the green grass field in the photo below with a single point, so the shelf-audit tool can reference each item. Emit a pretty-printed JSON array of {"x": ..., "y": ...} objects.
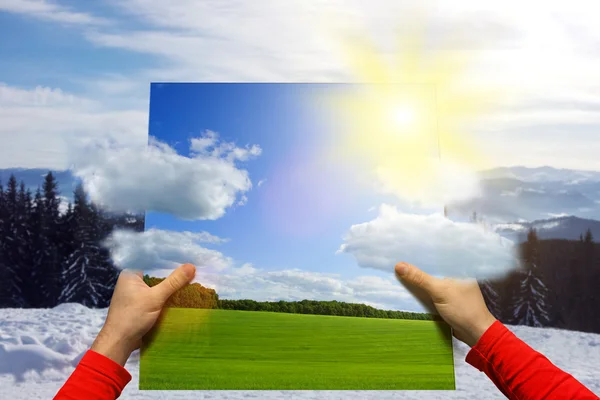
[{"x": 250, "y": 350}]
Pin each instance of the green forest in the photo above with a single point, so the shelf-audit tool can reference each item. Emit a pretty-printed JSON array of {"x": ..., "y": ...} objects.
[{"x": 198, "y": 296}]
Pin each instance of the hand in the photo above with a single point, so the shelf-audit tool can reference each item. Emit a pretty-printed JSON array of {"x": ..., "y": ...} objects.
[
  {"x": 134, "y": 309},
  {"x": 459, "y": 302}
]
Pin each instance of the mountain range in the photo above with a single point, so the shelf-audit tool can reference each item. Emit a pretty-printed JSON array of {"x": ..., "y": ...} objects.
[
  {"x": 554, "y": 228},
  {"x": 559, "y": 203},
  {"x": 529, "y": 194}
]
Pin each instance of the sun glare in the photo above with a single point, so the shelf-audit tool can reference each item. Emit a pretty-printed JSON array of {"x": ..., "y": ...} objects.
[
  {"x": 408, "y": 117},
  {"x": 403, "y": 117}
]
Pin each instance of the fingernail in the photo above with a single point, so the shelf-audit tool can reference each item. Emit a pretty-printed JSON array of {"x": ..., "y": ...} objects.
[
  {"x": 401, "y": 269},
  {"x": 189, "y": 270}
]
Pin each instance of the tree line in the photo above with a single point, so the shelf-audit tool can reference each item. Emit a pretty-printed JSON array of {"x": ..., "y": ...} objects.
[
  {"x": 556, "y": 285},
  {"x": 198, "y": 296},
  {"x": 51, "y": 253},
  {"x": 318, "y": 307}
]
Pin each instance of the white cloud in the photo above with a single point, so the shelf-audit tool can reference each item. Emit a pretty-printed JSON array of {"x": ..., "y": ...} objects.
[
  {"x": 40, "y": 124},
  {"x": 209, "y": 146},
  {"x": 248, "y": 282},
  {"x": 545, "y": 52},
  {"x": 39, "y": 96},
  {"x": 542, "y": 52},
  {"x": 447, "y": 182},
  {"x": 156, "y": 178},
  {"x": 49, "y": 11},
  {"x": 434, "y": 243},
  {"x": 158, "y": 252},
  {"x": 157, "y": 249}
]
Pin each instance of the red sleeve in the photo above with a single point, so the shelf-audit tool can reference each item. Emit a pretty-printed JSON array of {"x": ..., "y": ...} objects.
[
  {"x": 95, "y": 378},
  {"x": 521, "y": 372}
]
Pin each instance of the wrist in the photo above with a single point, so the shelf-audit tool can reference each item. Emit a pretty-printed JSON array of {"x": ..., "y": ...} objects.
[
  {"x": 477, "y": 331},
  {"x": 113, "y": 347}
]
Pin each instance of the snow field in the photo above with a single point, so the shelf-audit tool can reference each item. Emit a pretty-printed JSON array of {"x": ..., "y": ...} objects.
[{"x": 40, "y": 347}]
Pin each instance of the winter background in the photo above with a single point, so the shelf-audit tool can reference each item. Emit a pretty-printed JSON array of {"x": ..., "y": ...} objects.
[{"x": 74, "y": 100}]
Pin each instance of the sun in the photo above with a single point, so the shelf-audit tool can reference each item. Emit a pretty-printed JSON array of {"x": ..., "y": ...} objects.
[
  {"x": 407, "y": 119},
  {"x": 403, "y": 117}
]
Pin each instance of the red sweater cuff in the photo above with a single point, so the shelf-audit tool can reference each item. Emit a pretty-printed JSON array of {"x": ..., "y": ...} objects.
[
  {"x": 106, "y": 367},
  {"x": 479, "y": 353}
]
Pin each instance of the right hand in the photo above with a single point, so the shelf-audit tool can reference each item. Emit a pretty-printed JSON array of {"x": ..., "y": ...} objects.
[
  {"x": 134, "y": 309},
  {"x": 459, "y": 302}
]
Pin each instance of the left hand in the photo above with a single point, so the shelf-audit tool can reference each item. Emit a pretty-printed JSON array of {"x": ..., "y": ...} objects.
[{"x": 134, "y": 309}]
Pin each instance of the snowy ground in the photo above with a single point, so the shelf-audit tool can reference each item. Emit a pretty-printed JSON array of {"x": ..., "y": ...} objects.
[{"x": 38, "y": 349}]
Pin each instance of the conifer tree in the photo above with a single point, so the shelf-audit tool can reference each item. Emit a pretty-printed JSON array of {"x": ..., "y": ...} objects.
[
  {"x": 52, "y": 257},
  {"x": 11, "y": 245},
  {"x": 491, "y": 297},
  {"x": 88, "y": 274},
  {"x": 6, "y": 284},
  {"x": 37, "y": 246},
  {"x": 532, "y": 306}
]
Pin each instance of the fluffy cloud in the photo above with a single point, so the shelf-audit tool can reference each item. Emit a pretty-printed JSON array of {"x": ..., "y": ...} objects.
[
  {"x": 158, "y": 252},
  {"x": 546, "y": 54},
  {"x": 156, "y": 178},
  {"x": 209, "y": 146},
  {"x": 39, "y": 124},
  {"x": 248, "y": 282},
  {"x": 434, "y": 243},
  {"x": 157, "y": 249},
  {"x": 447, "y": 182}
]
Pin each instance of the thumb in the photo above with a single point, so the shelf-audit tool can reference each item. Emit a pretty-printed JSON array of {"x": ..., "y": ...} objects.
[
  {"x": 177, "y": 280},
  {"x": 418, "y": 283},
  {"x": 412, "y": 275}
]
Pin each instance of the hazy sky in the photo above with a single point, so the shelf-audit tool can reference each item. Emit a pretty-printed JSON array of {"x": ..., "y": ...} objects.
[
  {"x": 74, "y": 68},
  {"x": 74, "y": 71}
]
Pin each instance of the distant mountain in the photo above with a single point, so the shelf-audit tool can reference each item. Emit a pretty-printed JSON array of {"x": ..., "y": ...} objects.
[
  {"x": 554, "y": 228},
  {"x": 519, "y": 193},
  {"x": 541, "y": 174},
  {"x": 34, "y": 178}
]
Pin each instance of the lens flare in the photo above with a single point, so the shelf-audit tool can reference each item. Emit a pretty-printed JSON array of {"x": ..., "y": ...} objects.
[{"x": 409, "y": 119}]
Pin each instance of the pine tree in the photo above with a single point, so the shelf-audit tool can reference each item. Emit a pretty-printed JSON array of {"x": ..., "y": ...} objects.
[
  {"x": 22, "y": 254},
  {"x": 532, "y": 308},
  {"x": 6, "y": 285},
  {"x": 46, "y": 256},
  {"x": 589, "y": 238},
  {"x": 587, "y": 304},
  {"x": 10, "y": 248},
  {"x": 491, "y": 297},
  {"x": 37, "y": 249},
  {"x": 474, "y": 218},
  {"x": 88, "y": 274},
  {"x": 52, "y": 257}
]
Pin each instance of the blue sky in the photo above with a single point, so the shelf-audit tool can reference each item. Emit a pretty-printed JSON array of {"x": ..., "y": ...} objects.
[{"x": 283, "y": 120}]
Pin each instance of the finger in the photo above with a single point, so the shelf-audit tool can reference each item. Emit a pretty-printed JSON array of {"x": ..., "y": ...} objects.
[
  {"x": 137, "y": 272},
  {"x": 130, "y": 272},
  {"x": 177, "y": 280},
  {"x": 412, "y": 275},
  {"x": 422, "y": 297},
  {"x": 406, "y": 279}
]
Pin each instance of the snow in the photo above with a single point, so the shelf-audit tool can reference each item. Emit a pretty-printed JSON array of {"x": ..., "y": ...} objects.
[
  {"x": 509, "y": 227},
  {"x": 39, "y": 347},
  {"x": 549, "y": 225}
]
